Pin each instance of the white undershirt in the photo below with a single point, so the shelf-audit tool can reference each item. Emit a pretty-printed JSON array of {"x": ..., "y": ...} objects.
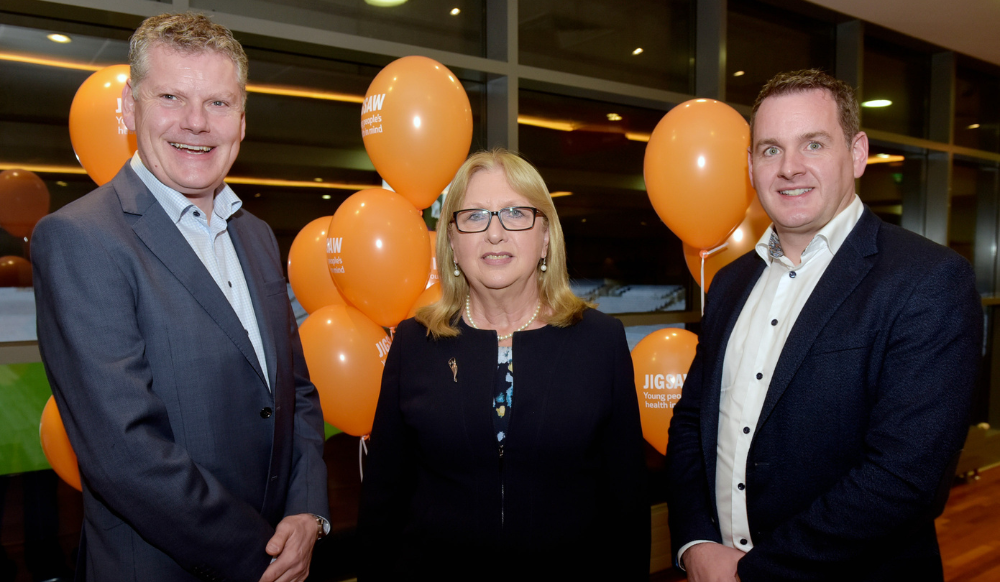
[{"x": 753, "y": 349}]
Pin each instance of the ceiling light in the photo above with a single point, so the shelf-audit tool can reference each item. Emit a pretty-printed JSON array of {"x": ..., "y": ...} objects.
[
  {"x": 637, "y": 51},
  {"x": 739, "y": 73},
  {"x": 561, "y": 193},
  {"x": 614, "y": 117},
  {"x": 385, "y": 3},
  {"x": 973, "y": 126},
  {"x": 317, "y": 179},
  {"x": 455, "y": 11},
  {"x": 61, "y": 183},
  {"x": 326, "y": 197},
  {"x": 877, "y": 103},
  {"x": 59, "y": 38}
]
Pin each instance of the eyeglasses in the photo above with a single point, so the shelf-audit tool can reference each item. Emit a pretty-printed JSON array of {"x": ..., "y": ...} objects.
[{"x": 511, "y": 218}]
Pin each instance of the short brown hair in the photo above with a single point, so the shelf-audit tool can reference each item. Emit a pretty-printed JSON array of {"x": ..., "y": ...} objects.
[
  {"x": 564, "y": 308},
  {"x": 806, "y": 80},
  {"x": 188, "y": 32}
]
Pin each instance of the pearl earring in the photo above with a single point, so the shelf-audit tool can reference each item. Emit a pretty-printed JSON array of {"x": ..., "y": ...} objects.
[
  {"x": 456, "y": 272},
  {"x": 543, "y": 268}
]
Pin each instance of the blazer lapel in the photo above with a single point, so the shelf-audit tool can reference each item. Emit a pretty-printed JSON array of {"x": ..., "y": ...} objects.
[
  {"x": 748, "y": 270},
  {"x": 254, "y": 278},
  {"x": 161, "y": 236},
  {"x": 848, "y": 267}
]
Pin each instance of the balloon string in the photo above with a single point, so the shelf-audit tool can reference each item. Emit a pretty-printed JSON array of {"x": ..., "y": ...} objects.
[
  {"x": 704, "y": 255},
  {"x": 362, "y": 450}
]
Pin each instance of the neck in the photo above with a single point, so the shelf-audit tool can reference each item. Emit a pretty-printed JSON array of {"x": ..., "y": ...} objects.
[
  {"x": 792, "y": 244},
  {"x": 503, "y": 314}
]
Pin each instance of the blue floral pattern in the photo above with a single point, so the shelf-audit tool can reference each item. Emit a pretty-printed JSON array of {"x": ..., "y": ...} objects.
[{"x": 503, "y": 392}]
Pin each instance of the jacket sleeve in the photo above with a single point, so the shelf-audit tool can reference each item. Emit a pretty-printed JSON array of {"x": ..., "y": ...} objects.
[
  {"x": 918, "y": 422},
  {"x": 390, "y": 474},
  {"x": 94, "y": 355},
  {"x": 625, "y": 470}
]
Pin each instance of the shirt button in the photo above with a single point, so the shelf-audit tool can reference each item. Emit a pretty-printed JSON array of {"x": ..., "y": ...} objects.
[
  {"x": 265, "y": 412},
  {"x": 741, "y": 486},
  {"x": 196, "y": 213},
  {"x": 743, "y": 541},
  {"x": 792, "y": 274},
  {"x": 759, "y": 375},
  {"x": 231, "y": 285},
  {"x": 746, "y": 430},
  {"x": 773, "y": 321}
]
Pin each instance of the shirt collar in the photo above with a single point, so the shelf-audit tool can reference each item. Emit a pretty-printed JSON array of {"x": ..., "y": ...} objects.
[
  {"x": 832, "y": 235},
  {"x": 226, "y": 202}
]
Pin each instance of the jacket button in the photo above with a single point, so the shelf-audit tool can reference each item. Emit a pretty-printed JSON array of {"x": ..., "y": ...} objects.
[{"x": 265, "y": 412}]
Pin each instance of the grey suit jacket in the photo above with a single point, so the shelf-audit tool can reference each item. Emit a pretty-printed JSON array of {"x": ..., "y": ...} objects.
[{"x": 188, "y": 460}]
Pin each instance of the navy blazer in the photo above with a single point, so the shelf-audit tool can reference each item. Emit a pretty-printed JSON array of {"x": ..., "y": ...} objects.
[
  {"x": 866, "y": 410},
  {"x": 567, "y": 500},
  {"x": 188, "y": 460}
]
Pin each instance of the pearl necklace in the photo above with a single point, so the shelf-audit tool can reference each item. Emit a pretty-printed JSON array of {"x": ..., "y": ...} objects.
[{"x": 500, "y": 338}]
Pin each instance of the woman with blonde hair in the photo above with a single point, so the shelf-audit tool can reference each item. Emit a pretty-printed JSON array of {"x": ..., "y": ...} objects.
[{"x": 471, "y": 478}]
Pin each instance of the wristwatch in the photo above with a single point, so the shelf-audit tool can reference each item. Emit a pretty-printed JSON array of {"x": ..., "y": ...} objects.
[{"x": 321, "y": 527}]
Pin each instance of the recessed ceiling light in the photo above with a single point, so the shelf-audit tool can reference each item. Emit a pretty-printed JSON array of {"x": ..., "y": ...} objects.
[
  {"x": 60, "y": 38},
  {"x": 614, "y": 117},
  {"x": 384, "y": 3},
  {"x": 881, "y": 155},
  {"x": 326, "y": 197},
  {"x": 973, "y": 126},
  {"x": 739, "y": 73},
  {"x": 637, "y": 51},
  {"x": 877, "y": 103},
  {"x": 317, "y": 179},
  {"x": 61, "y": 183},
  {"x": 455, "y": 11},
  {"x": 257, "y": 195}
]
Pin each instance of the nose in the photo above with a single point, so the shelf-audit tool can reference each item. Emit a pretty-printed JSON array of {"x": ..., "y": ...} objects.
[
  {"x": 195, "y": 119},
  {"x": 495, "y": 231},
  {"x": 791, "y": 165}
]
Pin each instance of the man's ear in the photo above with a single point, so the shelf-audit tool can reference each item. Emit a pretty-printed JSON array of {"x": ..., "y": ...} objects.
[
  {"x": 128, "y": 106},
  {"x": 859, "y": 153}
]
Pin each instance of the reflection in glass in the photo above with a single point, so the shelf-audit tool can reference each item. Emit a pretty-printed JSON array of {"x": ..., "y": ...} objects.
[
  {"x": 642, "y": 42},
  {"x": 902, "y": 76},
  {"x": 892, "y": 178},
  {"x": 977, "y": 117}
]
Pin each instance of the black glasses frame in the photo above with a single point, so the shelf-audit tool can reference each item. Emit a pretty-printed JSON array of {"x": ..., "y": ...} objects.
[{"x": 534, "y": 215}]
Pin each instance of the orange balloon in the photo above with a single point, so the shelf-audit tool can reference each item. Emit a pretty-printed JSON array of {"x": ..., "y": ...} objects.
[
  {"x": 416, "y": 123},
  {"x": 307, "y": 270},
  {"x": 15, "y": 272},
  {"x": 741, "y": 241},
  {"x": 100, "y": 139},
  {"x": 345, "y": 352},
  {"x": 696, "y": 171},
  {"x": 24, "y": 200},
  {"x": 378, "y": 255},
  {"x": 661, "y": 361},
  {"x": 434, "y": 276},
  {"x": 430, "y": 295},
  {"x": 56, "y": 446}
]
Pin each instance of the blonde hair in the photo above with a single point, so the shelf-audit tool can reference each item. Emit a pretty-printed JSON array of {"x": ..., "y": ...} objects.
[
  {"x": 190, "y": 33},
  {"x": 564, "y": 308}
]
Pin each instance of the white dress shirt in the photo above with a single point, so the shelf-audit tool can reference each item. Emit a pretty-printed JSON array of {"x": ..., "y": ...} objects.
[
  {"x": 751, "y": 356},
  {"x": 211, "y": 242}
]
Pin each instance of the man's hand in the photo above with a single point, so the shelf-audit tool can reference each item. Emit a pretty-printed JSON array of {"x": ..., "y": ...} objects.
[
  {"x": 711, "y": 562},
  {"x": 292, "y": 546}
]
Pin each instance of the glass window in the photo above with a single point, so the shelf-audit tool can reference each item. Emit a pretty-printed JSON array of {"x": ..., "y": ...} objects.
[
  {"x": 977, "y": 117},
  {"x": 590, "y": 154},
  {"x": 901, "y": 77},
  {"x": 455, "y": 25},
  {"x": 763, "y": 40},
  {"x": 643, "y": 42},
  {"x": 892, "y": 178}
]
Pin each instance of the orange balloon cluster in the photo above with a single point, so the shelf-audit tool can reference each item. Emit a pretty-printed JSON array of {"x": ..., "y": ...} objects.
[
  {"x": 96, "y": 129},
  {"x": 307, "y": 272},
  {"x": 378, "y": 255},
  {"x": 740, "y": 242},
  {"x": 661, "y": 361},
  {"x": 345, "y": 352},
  {"x": 696, "y": 171},
  {"x": 56, "y": 446},
  {"x": 24, "y": 200},
  {"x": 416, "y": 122},
  {"x": 15, "y": 272}
]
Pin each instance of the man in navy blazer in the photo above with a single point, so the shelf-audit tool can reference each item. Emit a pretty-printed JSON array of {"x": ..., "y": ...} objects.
[
  {"x": 820, "y": 423},
  {"x": 170, "y": 345}
]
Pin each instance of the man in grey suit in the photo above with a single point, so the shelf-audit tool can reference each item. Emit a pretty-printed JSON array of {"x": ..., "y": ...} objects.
[{"x": 169, "y": 341}]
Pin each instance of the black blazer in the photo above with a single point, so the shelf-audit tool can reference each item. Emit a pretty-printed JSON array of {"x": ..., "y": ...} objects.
[
  {"x": 568, "y": 500},
  {"x": 866, "y": 409},
  {"x": 188, "y": 459}
]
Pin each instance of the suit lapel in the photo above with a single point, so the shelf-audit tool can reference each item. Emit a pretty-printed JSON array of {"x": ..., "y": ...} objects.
[
  {"x": 845, "y": 272},
  {"x": 161, "y": 236},
  {"x": 748, "y": 270},
  {"x": 250, "y": 263}
]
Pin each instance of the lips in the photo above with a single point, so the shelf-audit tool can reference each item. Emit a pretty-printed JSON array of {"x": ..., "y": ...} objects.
[
  {"x": 194, "y": 149},
  {"x": 496, "y": 256},
  {"x": 794, "y": 191}
]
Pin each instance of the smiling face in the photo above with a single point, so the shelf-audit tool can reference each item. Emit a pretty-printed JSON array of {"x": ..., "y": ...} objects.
[
  {"x": 498, "y": 259},
  {"x": 801, "y": 164},
  {"x": 188, "y": 118}
]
